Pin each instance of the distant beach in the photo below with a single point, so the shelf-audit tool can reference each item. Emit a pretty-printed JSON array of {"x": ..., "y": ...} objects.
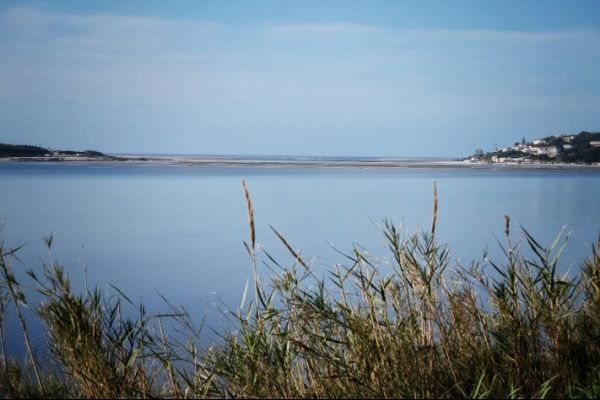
[{"x": 302, "y": 162}]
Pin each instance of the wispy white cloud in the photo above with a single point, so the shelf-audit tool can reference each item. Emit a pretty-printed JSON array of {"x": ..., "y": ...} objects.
[
  {"x": 31, "y": 28},
  {"x": 311, "y": 31},
  {"x": 326, "y": 29},
  {"x": 142, "y": 52},
  {"x": 506, "y": 37}
]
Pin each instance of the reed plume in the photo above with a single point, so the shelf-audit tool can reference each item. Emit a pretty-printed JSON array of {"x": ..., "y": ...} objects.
[{"x": 435, "y": 210}]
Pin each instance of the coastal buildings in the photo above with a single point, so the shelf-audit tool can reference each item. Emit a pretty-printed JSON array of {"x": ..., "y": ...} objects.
[{"x": 581, "y": 148}]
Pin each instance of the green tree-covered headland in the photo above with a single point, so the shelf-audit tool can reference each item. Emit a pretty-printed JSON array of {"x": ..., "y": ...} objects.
[
  {"x": 19, "y": 150},
  {"x": 583, "y": 148}
]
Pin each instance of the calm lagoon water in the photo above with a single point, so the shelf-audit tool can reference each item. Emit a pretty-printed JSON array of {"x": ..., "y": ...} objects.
[{"x": 177, "y": 231}]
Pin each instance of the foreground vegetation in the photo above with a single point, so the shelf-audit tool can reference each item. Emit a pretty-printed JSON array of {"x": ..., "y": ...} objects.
[{"x": 416, "y": 326}]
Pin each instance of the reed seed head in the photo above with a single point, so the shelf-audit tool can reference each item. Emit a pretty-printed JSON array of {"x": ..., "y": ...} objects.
[{"x": 250, "y": 214}]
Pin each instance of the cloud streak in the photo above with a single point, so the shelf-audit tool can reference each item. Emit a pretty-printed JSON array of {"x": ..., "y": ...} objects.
[{"x": 326, "y": 29}]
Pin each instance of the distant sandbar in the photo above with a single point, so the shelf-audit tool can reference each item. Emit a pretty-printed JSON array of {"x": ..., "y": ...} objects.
[{"x": 304, "y": 162}]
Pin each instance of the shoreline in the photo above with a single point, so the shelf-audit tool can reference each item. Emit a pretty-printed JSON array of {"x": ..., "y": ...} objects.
[{"x": 217, "y": 161}]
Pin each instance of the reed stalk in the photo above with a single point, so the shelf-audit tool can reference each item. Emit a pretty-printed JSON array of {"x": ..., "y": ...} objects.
[{"x": 18, "y": 297}]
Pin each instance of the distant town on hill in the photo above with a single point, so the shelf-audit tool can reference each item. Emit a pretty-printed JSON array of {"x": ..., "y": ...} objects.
[{"x": 583, "y": 148}]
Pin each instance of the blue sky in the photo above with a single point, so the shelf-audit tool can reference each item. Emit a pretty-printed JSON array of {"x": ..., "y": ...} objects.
[{"x": 386, "y": 78}]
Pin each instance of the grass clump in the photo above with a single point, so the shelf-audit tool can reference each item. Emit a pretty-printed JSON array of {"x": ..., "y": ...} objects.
[
  {"x": 418, "y": 325},
  {"x": 95, "y": 350}
]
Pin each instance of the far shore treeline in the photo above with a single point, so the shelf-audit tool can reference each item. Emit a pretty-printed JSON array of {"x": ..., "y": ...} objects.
[{"x": 21, "y": 150}]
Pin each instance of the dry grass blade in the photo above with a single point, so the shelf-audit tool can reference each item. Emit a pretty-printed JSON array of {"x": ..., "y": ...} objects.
[{"x": 289, "y": 247}]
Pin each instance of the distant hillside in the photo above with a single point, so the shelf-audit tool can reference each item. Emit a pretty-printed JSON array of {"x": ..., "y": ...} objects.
[
  {"x": 583, "y": 148},
  {"x": 20, "y": 150}
]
